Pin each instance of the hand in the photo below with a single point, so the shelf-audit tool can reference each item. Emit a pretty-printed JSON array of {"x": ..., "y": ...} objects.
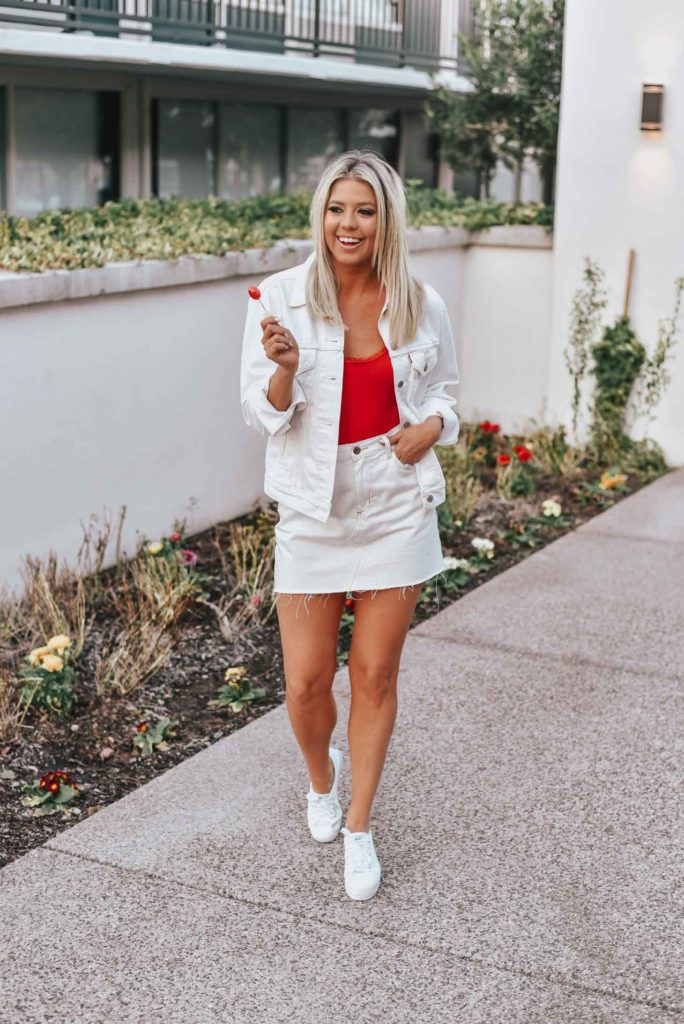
[
  {"x": 280, "y": 344},
  {"x": 413, "y": 442}
]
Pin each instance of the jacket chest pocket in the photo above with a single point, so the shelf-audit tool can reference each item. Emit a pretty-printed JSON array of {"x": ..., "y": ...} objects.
[
  {"x": 421, "y": 362},
  {"x": 307, "y": 361},
  {"x": 306, "y": 372}
]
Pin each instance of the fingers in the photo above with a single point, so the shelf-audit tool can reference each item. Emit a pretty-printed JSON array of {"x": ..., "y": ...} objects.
[
  {"x": 276, "y": 332},
  {"x": 268, "y": 320}
]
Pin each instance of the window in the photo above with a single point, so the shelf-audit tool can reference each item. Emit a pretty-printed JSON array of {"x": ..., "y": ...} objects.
[
  {"x": 250, "y": 150},
  {"x": 3, "y": 146},
  {"x": 375, "y": 129},
  {"x": 185, "y": 137},
  {"x": 66, "y": 149},
  {"x": 421, "y": 149},
  {"x": 315, "y": 136}
]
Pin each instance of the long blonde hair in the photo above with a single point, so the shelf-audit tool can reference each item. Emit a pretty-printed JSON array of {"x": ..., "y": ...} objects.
[{"x": 390, "y": 258}]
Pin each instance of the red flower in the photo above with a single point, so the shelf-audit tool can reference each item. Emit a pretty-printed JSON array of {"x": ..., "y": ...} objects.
[
  {"x": 523, "y": 453},
  {"x": 494, "y": 428},
  {"x": 256, "y": 600},
  {"x": 142, "y": 726},
  {"x": 189, "y": 557},
  {"x": 485, "y": 426},
  {"x": 53, "y": 786},
  {"x": 349, "y": 603},
  {"x": 503, "y": 460},
  {"x": 175, "y": 537}
]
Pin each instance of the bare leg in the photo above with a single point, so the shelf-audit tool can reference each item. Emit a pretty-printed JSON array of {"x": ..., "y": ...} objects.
[
  {"x": 381, "y": 622},
  {"x": 309, "y": 628}
]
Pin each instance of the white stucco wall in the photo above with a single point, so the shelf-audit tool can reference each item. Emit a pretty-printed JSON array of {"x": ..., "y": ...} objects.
[
  {"x": 130, "y": 397},
  {"x": 618, "y": 187}
]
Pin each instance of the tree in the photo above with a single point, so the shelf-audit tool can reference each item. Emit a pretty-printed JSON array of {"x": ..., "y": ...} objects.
[{"x": 513, "y": 62}]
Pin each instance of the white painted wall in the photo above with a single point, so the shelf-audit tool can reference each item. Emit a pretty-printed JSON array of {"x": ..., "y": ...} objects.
[
  {"x": 618, "y": 187},
  {"x": 505, "y": 335},
  {"x": 132, "y": 398}
]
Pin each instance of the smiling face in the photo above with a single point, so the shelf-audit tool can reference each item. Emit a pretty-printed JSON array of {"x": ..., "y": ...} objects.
[{"x": 350, "y": 222}]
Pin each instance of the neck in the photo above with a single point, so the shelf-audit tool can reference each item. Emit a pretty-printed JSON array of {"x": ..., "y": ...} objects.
[{"x": 356, "y": 281}]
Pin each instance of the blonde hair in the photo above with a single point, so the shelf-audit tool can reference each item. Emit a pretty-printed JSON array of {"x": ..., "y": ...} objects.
[{"x": 390, "y": 258}]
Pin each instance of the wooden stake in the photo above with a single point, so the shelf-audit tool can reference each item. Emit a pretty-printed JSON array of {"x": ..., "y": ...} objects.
[{"x": 630, "y": 275}]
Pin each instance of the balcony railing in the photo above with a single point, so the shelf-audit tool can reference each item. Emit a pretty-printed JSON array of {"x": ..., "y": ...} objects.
[{"x": 393, "y": 33}]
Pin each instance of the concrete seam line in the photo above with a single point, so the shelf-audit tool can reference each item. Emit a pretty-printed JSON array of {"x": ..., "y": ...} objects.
[{"x": 529, "y": 652}]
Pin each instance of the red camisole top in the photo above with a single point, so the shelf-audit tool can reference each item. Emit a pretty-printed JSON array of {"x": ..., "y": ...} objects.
[{"x": 369, "y": 406}]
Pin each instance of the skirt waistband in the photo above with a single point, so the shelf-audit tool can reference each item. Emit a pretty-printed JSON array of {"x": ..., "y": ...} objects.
[{"x": 354, "y": 449}]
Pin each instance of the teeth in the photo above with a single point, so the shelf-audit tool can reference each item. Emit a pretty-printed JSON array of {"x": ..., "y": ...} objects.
[{"x": 348, "y": 239}]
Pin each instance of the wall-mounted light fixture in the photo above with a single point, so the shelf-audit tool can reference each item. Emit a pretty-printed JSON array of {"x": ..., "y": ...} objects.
[{"x": 652, "y": 107}]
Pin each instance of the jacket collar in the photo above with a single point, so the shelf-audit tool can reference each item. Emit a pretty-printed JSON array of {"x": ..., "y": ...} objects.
[{"x": 298, "y": 293}]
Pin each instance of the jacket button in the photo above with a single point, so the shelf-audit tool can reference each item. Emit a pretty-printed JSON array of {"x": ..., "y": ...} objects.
[
  {"x": 356, "y": 450},
  {"x": 407, "y": 424},
  {"x": 430, "y": 497},
  {"x": 400, "y": 384}
]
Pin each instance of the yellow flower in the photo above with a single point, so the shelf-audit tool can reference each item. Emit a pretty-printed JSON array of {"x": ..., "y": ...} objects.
[
  {"x": 607, "y": 482},
  {"x": 51, "y": 663},
  {"x": 59, "y": 643},
  {"x": 155, "y": 548},
  {"x": 237, "y": 672},
  {"x": 37, "y": 654}
]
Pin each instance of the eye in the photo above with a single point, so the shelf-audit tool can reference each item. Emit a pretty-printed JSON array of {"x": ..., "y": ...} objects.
[
  {"x": 367, "y": 213},
  {"x": 334, "y": 209}
]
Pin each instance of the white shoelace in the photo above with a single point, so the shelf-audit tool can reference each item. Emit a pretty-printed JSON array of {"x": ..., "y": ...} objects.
[
  {"x": 323, "y": 806},
  {"x": 360, "y": 852}
]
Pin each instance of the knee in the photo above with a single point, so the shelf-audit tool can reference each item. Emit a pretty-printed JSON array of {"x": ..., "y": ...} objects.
[
  {"x": 373, "y": 682},
  {"x": 306, "y": 689}
]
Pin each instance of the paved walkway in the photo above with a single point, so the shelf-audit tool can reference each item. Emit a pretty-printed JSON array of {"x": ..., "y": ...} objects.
[{"x": 529, "y": 823}]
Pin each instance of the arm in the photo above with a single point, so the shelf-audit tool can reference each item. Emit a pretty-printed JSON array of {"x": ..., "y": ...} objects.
[{"x": 261, "y": 376}]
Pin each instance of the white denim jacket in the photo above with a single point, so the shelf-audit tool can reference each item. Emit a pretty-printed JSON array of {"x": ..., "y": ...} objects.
[{"x": 301, "y": 451}]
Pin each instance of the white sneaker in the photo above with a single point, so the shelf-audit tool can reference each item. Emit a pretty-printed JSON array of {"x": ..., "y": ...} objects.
[
  {"x": 324, "y": 813},
  {"x": 361, "y": 865}
]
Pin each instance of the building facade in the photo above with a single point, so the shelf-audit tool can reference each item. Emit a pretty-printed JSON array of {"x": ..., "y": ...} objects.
[{"x": 101, "y": 99}]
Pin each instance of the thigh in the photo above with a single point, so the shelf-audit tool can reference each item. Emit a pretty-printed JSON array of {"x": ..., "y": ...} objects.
[
  {"x": 309, "y": 629},
  {"x": 381, "y": 622}
]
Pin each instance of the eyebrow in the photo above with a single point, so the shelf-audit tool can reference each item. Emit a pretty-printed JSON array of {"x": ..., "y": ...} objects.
[{"x": 370, "y": 202}]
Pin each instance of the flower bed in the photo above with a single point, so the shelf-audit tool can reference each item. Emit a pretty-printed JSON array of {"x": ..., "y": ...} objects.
[{"x": 108, "y": 678}]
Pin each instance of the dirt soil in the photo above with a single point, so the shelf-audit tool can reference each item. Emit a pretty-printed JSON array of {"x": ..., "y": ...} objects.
[{"x": 94, "y": 743}]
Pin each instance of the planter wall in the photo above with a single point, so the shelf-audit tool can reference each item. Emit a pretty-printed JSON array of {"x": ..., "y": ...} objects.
[{"x": 121, "y": 384}]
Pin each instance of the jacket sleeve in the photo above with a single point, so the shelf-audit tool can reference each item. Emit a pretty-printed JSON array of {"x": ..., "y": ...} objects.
[
  {"x": 442, "y": 375},
  {"x": 256, "y": 370}
]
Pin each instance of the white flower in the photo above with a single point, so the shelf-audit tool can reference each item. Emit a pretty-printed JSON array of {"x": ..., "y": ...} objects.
[
  {"x": 456, "y": 563},
  {"x": 551, "y": 508},
  {"x": 482, "y": 544}
]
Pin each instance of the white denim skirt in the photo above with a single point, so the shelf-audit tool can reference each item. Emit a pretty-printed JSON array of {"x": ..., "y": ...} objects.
[{"x": 379, "y": 533}]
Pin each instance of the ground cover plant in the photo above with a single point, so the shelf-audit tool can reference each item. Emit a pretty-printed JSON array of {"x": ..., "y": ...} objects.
[
  {"x": 164, "y": 229},
  {"x": 109, "y": 677}
]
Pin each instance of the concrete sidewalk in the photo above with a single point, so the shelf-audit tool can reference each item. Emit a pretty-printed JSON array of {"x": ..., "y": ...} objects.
[{"x": 529, "y": 824}]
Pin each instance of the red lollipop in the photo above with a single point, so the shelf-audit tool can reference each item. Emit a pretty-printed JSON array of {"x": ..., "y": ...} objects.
[{"x": 254, "y": 293}]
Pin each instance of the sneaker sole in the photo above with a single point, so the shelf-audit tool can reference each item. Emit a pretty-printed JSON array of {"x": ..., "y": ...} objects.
[{"x": 363, "y": 894}]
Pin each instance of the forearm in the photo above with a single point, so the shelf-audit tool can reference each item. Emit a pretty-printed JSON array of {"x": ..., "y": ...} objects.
[{"x": 280, "y": 388}]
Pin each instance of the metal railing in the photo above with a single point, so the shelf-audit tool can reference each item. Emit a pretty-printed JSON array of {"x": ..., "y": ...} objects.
[{"x": 393, "y": 33}]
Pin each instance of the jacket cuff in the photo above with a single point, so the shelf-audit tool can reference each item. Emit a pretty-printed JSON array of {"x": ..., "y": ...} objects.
[
  {"x": 275, "y": 421},
  {"x": 451, "y": 428}
]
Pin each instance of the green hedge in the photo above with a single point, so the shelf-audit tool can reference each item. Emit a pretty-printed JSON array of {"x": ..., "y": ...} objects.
[{"x": 163, "y": 229}]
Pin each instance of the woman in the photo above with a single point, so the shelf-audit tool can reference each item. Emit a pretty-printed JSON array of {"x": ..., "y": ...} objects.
[{"x": 352, "y": 408}]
